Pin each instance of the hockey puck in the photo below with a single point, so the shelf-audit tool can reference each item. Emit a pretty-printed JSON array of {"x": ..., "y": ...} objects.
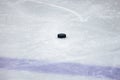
[{"x": 61, "y": 35}]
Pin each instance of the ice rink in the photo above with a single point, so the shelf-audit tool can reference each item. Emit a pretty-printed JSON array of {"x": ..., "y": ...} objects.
[{"x": 30, "y": 49}]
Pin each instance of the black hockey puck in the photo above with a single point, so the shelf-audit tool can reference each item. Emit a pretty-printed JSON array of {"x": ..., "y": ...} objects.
[{"x": 61, "y": 35}]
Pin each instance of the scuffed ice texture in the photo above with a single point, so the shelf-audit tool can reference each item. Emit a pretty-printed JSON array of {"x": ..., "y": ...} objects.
[
  {"x": 28, "y": 30},
  {"x": 60, "y": 68},
  {"x": 23, "y": 75}
]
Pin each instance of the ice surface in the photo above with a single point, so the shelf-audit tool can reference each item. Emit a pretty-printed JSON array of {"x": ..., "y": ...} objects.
[{"x": 28, "y": 30}]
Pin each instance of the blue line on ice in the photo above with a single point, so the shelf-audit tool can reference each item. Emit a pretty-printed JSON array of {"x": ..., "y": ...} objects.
[{"x": 60, "y": 68}]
